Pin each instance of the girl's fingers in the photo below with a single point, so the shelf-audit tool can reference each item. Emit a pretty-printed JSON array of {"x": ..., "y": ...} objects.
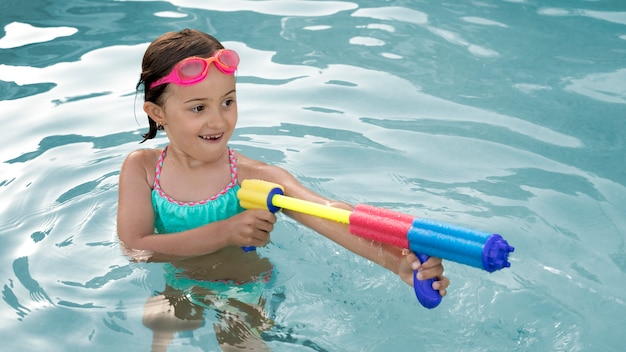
[{"x": 441, "y": 285}]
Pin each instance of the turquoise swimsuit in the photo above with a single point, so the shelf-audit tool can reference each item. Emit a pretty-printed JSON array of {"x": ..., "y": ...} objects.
[{"x": 172, "y": 216}]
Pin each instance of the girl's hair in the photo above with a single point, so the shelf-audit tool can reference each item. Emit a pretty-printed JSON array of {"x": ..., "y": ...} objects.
[{"x": 161, "y": 56}]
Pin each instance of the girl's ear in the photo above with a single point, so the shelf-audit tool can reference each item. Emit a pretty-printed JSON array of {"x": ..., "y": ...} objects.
[{"x": 155, "y": 112}]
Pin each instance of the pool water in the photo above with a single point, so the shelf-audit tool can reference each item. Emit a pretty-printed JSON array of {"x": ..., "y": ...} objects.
[{"x": 502, "y": 116}]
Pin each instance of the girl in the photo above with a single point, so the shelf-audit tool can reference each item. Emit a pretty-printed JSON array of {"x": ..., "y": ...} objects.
[{"x": 179, "y": 204}]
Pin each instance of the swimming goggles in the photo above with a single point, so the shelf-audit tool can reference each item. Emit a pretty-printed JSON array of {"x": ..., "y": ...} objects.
[{"x": 194, "y": 69}]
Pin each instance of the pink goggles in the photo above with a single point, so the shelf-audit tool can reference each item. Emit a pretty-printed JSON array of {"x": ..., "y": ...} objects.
[{"x": 195, "y": 69}]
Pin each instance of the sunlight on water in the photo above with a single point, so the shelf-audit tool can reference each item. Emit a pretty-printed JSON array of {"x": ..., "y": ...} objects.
[
  {"x": 498, "y": 116},
  {"x": 20, "y": 34}
]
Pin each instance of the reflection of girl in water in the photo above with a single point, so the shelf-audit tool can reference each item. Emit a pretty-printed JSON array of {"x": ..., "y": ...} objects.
[
  {"x": 196, "y": 283},
  {"x": 180, "y": 202}
]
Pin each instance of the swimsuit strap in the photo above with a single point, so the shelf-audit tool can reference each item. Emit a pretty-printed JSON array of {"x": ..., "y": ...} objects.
[{"x": 157, "y": 180}]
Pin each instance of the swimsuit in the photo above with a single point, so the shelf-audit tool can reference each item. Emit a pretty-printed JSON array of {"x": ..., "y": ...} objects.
[{"x": 172, "y": 216}]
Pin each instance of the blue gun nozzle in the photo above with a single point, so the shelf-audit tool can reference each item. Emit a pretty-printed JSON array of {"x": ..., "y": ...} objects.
[{"x": 496, "y": 253}]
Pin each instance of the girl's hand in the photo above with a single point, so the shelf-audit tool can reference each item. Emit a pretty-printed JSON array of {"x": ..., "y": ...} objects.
[
  {"x": 432, "y": 268},
  {"x": 251, "y": 228}
]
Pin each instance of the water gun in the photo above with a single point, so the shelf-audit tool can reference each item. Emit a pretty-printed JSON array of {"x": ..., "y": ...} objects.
[{"x": 424, "y": 237}]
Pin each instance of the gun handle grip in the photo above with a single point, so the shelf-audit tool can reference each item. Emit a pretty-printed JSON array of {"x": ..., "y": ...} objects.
[{"x": 426, "y": 295}]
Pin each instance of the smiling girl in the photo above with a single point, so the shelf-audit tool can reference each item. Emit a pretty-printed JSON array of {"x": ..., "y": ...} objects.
[{"x": 179, "y": 203}]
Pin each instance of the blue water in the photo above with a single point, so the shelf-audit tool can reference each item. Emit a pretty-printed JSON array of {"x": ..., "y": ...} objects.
[{"x": 503, "y": 116}]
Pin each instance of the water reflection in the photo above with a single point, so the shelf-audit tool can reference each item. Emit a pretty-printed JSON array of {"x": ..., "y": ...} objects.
[
  {"x": 229, "y": 285},
  {"x": 20, "y": 34},
  {"x": 606, "y": 87},
  {"x": 499, "y": 116}
]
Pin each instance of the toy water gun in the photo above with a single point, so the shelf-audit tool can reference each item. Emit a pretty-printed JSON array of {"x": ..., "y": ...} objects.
[{"x": 424, "y": 237}]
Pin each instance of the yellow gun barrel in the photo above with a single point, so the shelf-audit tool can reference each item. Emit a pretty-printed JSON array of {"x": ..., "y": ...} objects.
[{"x": 259, "y": 194}]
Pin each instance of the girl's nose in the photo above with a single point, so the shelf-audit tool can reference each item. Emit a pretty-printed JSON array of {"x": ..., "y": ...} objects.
[{"x": 214, "y": 118}]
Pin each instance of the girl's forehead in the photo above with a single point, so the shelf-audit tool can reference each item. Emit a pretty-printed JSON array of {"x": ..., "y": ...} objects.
[{"x": 215, "y": 86}]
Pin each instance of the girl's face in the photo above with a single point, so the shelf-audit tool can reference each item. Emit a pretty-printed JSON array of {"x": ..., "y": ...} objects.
[{"x": 200, "y": 119}]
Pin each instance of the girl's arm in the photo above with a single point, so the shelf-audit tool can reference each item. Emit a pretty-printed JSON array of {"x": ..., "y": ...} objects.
[
  {"x": 397, "y": 260},
  {"x": 135, "y": 218}
]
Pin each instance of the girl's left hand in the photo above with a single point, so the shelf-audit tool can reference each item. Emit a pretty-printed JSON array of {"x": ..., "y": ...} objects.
[{"x": 432, "y": 268}]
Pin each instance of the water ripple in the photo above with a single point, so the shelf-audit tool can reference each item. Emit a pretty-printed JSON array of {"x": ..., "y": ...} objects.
[
  {"x": 36, "y": 292},
  {"x": 502, "y": 116}
]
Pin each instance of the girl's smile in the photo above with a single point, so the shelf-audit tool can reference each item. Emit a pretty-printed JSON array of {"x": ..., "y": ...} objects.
[{"x": 213, "y": 138}]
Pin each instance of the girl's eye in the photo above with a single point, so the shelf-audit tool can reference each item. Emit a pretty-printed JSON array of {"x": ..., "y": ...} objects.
[
  {"x": 228, "y": 103},
  {"x": 197, "y": 108}
]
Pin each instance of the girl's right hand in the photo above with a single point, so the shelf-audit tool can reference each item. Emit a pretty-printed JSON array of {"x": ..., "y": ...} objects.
[{"x": 251, "y": 228}]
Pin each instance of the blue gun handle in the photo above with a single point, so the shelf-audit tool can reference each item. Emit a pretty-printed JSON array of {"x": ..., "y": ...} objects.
[
  {"x": 271, "y": 207},
  {"x": 426, "y": 295}
]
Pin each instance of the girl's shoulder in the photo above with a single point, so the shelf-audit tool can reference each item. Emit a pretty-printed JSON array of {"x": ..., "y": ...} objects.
[
  {"x": 144, "y": 156},
  {"x": 142, "y": 161},
  {"x": 248, "y": 168}
]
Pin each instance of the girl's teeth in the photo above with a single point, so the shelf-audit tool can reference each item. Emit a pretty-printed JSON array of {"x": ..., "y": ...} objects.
[{"x": 210, "y": 137}]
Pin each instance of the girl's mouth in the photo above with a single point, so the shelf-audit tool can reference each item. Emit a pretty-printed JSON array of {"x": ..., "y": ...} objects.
[{"x": 212, "y": 138}]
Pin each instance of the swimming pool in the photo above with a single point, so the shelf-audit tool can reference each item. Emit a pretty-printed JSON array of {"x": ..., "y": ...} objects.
[{"x": 504, "y": 116}]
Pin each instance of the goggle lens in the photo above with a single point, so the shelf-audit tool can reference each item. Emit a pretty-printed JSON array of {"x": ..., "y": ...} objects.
[
  {"x": 191, "y": 68},
  {"x": 228, "y": 59}
]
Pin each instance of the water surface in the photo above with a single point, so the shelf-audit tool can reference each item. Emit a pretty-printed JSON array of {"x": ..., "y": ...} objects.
[{"x": 504, "y": 116}]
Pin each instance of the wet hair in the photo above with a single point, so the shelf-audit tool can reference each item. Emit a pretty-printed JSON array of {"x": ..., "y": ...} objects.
[{"x": 161, "y": 56}]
